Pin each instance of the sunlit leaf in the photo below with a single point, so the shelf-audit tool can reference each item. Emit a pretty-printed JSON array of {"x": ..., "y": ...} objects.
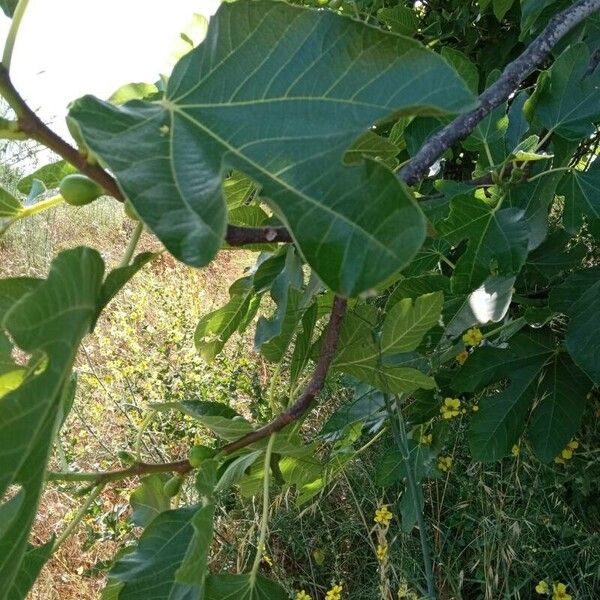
[
  {"x": 52, "y": 318},
  {"x": 256, "y": 69}
]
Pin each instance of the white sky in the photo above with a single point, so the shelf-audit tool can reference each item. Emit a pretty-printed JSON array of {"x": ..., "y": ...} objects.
[{"x": 68, "y": 48}]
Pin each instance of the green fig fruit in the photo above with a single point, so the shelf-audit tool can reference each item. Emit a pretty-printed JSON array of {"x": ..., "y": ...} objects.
[{"x": 79, "y": 190}]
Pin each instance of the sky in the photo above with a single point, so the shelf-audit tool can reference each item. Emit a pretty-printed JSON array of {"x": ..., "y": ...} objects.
[{"x": 68, "y": 48}]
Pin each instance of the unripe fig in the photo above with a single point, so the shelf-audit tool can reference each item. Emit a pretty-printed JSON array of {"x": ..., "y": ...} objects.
[
  {"x": 172, "y": 487},
  {"x": 198, "y": 454},
  {"x": 79, "y": 190}
]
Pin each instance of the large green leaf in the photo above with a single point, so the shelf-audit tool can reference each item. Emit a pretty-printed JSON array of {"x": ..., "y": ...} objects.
[
  {"x": 223, "y": 586},
  {"x": 501, "y": 418},
  {"x": 579, "y": 298},
  {"x": 497, "y": 241},
  {"x": 274, "y": 334},
  {"x": 406, "y": 323},
  {"x": 361, "y": 355},
  {"x": 33, "y": 561},
  {"x": 582, "y": 197},
  {"x": 558, "y": 415},
  {"x": 279, "y": 93},
  {"x": 149, "y": 573},
  {"x": 584, "y": 332},
  {"x": 51, "y": 319},
  {"x": 568, "y": 104}
]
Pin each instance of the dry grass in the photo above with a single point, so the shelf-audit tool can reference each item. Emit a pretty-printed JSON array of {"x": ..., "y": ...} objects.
[{"x": 142, "y": 350}]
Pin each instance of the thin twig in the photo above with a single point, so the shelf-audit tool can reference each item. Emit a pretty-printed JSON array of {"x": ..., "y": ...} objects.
[
  {"x": 293, "y": 413},
  {"x": 500, "y": 91}
]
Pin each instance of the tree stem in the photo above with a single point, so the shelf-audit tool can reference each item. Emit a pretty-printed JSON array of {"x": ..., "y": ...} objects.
[
  {"x": 72, "y": 526},
  {"x": 12, "y": 33},
  {"x": 265, "y": 512},
  {"x": 401, "y": 439},
  {"x": 131, "y": 246}
]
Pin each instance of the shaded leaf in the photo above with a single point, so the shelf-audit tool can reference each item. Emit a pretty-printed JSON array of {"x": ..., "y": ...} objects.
[
  {"x": 568, "y": 104},
  {"x": 33, "y": 561},
  {"x": 235, "y": 470},
  {"x": 501, "y": 418},
  {"x": 399, "y": 19},
  {"x": 218, "y": 417},
  {"x": 224, "y": 586},
  {"x": 582, "y": 197},
  {"x": 463, "y": 65},
  {"x": 215, "y": 328},
  {"x": 497, "y": 241},
  {"x": 558, "y": 415},
  {"x": 8, "y": 6},
  {"x": 365, "y": 406}
]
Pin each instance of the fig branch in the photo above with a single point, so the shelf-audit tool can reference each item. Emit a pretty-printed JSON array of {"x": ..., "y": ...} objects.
[
  {"x": 500, "y": 91},
  {"x": 30, "y": 126},
  {"x": 293, "y": 413}
]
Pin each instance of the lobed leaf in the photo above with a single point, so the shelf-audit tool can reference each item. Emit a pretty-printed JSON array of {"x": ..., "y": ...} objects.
[{"x": 259, "y": 96}]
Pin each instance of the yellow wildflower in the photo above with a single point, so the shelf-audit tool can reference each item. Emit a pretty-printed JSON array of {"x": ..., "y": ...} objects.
[
  {"x": 475, "y": 407},
  {"x": 403, "y": 590},
  {"x": 515, "y": 450},
  {"x": 472, "y": 336},
  {"x": 267, "y": 560},
  {"x": 450, "y": 408},
  {"x": 302, "y": 595},
  {"x": 426, "y": 439},
  {"x": 444, "y": 463},
  {"x": 559, "y": 592},
  {"x": 382, "y": 552},
  {"x": 335, "y": 593},
  {"x": 567, "y": 452},
  {"x": 383, "y": 516},
  {"x": 542, "y": 587},
  {"x": 461, "y": 357}
]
